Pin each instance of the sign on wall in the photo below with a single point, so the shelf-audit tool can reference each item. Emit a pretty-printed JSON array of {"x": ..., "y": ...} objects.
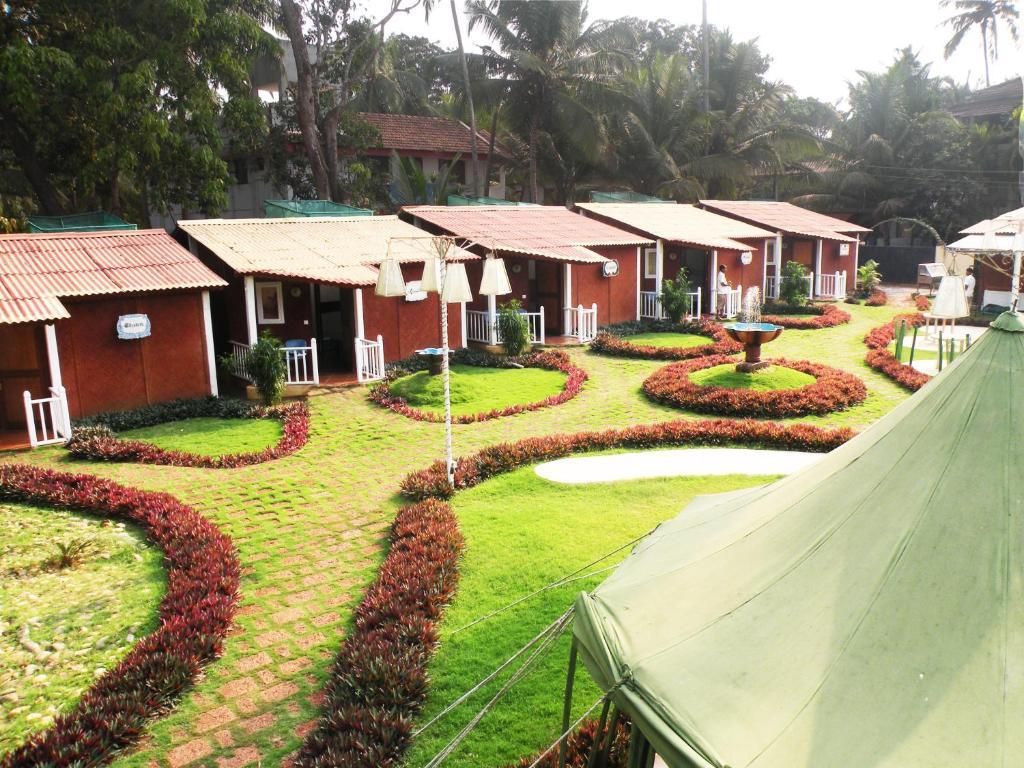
[
  {"x": 413, "y": 291},
  {"x": 746, "y": 258},
  {"x": 610, "y": 268},
  {"x": 844, "y": 249},
  {"x": 133, "y": 327}
]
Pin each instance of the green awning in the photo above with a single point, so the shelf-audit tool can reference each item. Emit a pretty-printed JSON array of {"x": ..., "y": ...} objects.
[
  {"x": 92, "y": 221},
  {"x": 867, "y": 611},
  {"x": 305, "y": 208}
]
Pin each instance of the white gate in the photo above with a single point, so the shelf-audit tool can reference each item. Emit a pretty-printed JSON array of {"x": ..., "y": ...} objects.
[
  {"x": 370, "y": 359},
  {"x": 47, "y": 418}
]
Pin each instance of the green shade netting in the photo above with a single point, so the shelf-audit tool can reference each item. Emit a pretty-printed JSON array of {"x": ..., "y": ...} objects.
[{"x": 866, "y": 611}]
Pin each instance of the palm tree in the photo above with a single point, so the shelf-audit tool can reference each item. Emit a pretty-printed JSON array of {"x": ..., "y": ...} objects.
[
  {"x": 986, "y": 15},
  {"x": 552, "y": 62},
  {"x": 475, "y": 170}
]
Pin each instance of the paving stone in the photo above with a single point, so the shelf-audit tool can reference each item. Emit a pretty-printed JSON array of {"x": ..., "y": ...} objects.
[
  {"x": 189, "y": 752},
  {"x": 215, "y": 718},
  {"x": 280, "y": 691}
]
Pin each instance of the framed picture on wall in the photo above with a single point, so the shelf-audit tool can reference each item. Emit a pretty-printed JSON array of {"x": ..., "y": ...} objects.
[{"x": 269, "y": 304}]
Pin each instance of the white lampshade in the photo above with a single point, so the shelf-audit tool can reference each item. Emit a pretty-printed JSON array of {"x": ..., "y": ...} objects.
[
  {"x": 429, "y": 281},
  {"x": 456, "y": 285},
  {"x": 389, "y": 279},
  {"x": 495, "y": 280}
]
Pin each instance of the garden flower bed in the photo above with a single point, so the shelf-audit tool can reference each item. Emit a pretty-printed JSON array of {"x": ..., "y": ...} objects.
[
  {"x": 378, "y": 682},
  {"x": 833, "y": 390},
  {"x": 882, "y": 360},
  {"x": 96, "y": 438},
  {"x": 615, "y": 340},
  {"x": 385, "y": 395},
  {"x": 825, "y": 316},
  {"x": 196, "y": 612}
]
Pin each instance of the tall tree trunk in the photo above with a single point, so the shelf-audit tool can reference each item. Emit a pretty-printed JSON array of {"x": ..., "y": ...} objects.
[
  {"x": 333, "y": 160},
  {"x": 475, "y": 168},
  {"x": 291, "y": 18},
  {"x": 984, "y": 50},
  {"x": 490, "y": 150},
  {"x": 534, "y": 139}
]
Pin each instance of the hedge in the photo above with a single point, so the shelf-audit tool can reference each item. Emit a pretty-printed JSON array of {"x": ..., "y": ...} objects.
[
  {"x": 552, "y": 360},
  {"x": 202, "y": 595},
  {"x": 826, "y": 316},
  {"x": 833, "y": 390},
  {"x": 378, "y": 682},
  {"x": 882, "y": 360},
  {"x": 94, "y": 439},
  {"x": 614, "y": 340}
]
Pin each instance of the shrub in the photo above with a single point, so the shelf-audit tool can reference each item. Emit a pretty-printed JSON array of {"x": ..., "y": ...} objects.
[
  {"x": 877, "y": 299},
  {"x": 923, "y": 303},
  {"x": 868, "y": 278},
  {"x": 96, "y": 441},
  {"x": 827, "y": 316},
  {"x": 378, "y": 682},
  {"x": 202, "y": 594},
  {"x": 675, "y": 299},
  {"x": 264, "y": 363},
  {"x": 882, "y": 360},
  {"x": 834, "y": 390},
  {"x": 613, "y": 340},
  {"x": 793, "y": 288},
  {"x": 552, "y": 360},
  {"x": 513, "y": 328},
  {"x": 579, "y": 745},
  {"x": 432, "y": 482}
]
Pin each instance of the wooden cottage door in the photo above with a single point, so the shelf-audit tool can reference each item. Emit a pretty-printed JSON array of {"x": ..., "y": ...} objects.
[
  {"x": 546, "y": 291},
  {"x": 22, "y": 366}
]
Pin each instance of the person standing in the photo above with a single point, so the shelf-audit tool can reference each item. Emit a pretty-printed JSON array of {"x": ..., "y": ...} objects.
[
  {"x": 969, "y": 286},
  {"x": 722, "y": 300}
]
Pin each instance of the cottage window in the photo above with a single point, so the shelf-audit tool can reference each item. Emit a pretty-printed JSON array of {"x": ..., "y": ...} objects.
[
  {"x": 651, "y": 263},
  {"x": 269, "y": 304}
]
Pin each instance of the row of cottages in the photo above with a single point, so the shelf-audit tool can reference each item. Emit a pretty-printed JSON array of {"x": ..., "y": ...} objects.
[
  {"x": 310, "y": 282},
  {"x": 825, "y": 245},
  {"x": 95, "y": 321},
  {"x": 570, "y": 273}
]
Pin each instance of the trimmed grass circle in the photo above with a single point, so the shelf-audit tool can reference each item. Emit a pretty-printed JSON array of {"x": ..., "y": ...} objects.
[
  {"x": 669, "y": 339},
  {"x": 210, "y": 436},
  {"x": 479, "y": 390},
  {"x": 84, "y": 618},
  {"x": 774, "y": 377}
]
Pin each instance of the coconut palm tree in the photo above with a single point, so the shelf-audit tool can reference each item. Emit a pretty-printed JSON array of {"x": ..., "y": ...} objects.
[
  {"x": 553, "y": 63},
  {"x": 986, "y": 15}
]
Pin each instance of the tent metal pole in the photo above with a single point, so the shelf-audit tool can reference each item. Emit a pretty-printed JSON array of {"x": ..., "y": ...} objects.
[
  {"x": 609, "y": 739},
  {"x": 913, "y": 346},
  {"x": 567, "y": 704},
  {"x": 594, "y": 745}
]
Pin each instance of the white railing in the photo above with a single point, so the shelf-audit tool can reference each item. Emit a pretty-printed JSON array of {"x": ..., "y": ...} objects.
[
  {"x": 772, "y": 286},
  {"x": 733, "y": 299},
  {"x": 581, "y": 323},
  {"x": 302, "y": 363},
  {"x": 832, "y": 286},
  {"x": 650, "y": 305},
  {"x": 370, "y": 359},
  {"x": 47, "y": 418},
  {"x": 479, "y": 328}
]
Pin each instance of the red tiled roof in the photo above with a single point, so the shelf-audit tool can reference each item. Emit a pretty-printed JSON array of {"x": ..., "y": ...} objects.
[
  {"x": 547, "y": 231},
  {"x": 36, "y": 270},
  {"x": 786, "y": 218},
  {"x": 680, "y": 224},
  {"x": 428, "y": 134}
]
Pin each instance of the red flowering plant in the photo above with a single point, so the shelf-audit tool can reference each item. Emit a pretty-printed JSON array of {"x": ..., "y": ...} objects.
[
  {"x": 614, "y": 340},
  {"x": 552, "y": 360},
  {"x": 95, "y": 439},
  {"x": 882, "y": 360},
  {"x": 832, "y": 390},
  {"x": 203, "y": 575},
  {"x": 923, "y": 303},
  {"x": 877, "y": 299},
  {"x": 825, "y": 316}
]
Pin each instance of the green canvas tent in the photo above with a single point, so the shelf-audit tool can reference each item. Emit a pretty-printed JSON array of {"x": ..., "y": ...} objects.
[{"x": 867, "y": 611}]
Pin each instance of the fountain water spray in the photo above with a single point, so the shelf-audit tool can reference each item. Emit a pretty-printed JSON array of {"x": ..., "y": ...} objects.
[
  {"x": 751, "y": 311},
  {"x": 751, "y": 332}
]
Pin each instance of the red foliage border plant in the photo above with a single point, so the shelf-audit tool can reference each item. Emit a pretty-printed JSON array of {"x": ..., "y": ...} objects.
[
  {"x": 882, "y": 360},
  {"x": 877, "y": 299},
  {"x": 923, "y": 303},
  {"x": 614, "y": 341},
  {"x": 552, "y": 360},
  {"x": 826, "y": 316},
  {"x": 203, "y": 575},
  {"x": 833, "y": 390},
  {"x": 100, "y": 443}
]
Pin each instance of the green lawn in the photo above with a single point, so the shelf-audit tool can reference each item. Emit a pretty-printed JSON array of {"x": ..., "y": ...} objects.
[
  {"x": 919, "y": 354},
  {"x": 478, "y": 390},
  {"x": 84, "y": 618},
  {"x": 522, "y": 533},
  {"x": 668, "y": 339},
  {"x": 210, "y": 436},
  {"x": 772, "y": 377}
]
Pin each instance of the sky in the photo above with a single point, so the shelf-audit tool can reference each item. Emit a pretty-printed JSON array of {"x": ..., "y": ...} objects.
[{"x": 816, "y": 46}]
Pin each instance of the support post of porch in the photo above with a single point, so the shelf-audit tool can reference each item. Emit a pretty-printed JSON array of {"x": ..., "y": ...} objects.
[
  {"x": 462, "y": 321},
  {"x": 764, "y": 277},
  {"x": 567, "y": 299},
  {"x": 492, "y": 320},
  {"x": 250, "y": 309},
  {"x": 360, "y": 330},
  {"x": 659, "y": 275},
  {"x": 211, "y": 362},
  {"x": 52, "y": 358},
  {"x": 639, "y": 278},
  {"x": 778, "y": 264},
  {"x": 713, "y": 304},
  {"x": 816, "y": 283}
]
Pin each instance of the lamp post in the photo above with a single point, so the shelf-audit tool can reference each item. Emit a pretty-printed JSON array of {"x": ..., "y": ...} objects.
[{"x": 451, "y": 282}]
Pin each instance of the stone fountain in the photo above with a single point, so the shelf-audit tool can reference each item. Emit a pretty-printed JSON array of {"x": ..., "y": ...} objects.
[{"x": 751, "y": 332}]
